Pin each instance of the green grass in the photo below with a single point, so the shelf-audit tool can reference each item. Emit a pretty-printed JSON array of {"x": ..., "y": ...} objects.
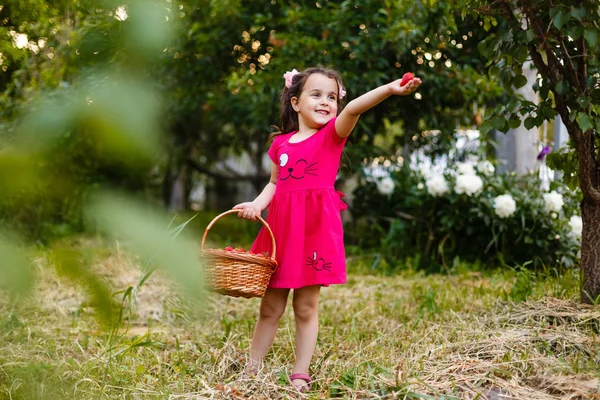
[{"x": 409, "y": 336}]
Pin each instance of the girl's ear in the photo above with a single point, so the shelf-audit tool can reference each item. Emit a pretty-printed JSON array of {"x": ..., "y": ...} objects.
[{"x": 294, "y": 102}]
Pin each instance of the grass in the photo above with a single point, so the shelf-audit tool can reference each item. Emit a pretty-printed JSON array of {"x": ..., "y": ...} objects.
[{"x": 471, "y": 335}]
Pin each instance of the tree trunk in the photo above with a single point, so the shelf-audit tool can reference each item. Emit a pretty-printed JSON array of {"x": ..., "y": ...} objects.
[
  {"x": 179, "y": 192},
  {"x": 589, "y": 181},
  {"x": 590, "y": 251}
]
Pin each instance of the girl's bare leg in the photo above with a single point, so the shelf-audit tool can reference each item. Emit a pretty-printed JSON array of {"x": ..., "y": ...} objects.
[
  {"x": 306, "y": 305},
  {"x": 272, "y": 307}
]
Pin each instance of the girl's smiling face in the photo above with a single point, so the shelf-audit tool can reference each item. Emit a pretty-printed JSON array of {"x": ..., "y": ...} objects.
[{"x": 317, "y": 104}]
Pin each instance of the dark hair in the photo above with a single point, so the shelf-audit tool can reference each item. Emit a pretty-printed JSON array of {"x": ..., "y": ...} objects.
[{"x": 289, "y": 117}]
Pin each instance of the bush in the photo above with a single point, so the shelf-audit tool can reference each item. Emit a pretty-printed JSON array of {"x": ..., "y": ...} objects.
[{"x": 465, "y": 210}]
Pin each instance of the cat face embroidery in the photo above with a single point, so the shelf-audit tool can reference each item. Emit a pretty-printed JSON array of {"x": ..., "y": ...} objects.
[
  {"x": 318, "y": 263},
  {"x": 296, "y": 170}
]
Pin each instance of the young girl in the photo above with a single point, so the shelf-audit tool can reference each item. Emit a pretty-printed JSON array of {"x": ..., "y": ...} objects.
[{"x": 304, "y": 208}]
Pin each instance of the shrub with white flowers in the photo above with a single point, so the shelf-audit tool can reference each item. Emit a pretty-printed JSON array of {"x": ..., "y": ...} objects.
[
  {"x": 468, "y": 184},
  {"x": 576, "y": 225},
  {"x": 437, "y": 185},
  {"x": 465, "y": 169},
  {"x": 470, "y": 212},
  {"x": 386, "y": 185},
  {"x": 505, "y": 205},
  {"x": 553, "y": 201},
  {"x": 486, "y": 168}
]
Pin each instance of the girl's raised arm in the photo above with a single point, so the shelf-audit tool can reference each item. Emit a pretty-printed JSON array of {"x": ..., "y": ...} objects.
[{"x": 348, "y": 118}]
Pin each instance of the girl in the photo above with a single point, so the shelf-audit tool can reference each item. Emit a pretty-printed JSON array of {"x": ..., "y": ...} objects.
[{"x": 304, "y": 212}]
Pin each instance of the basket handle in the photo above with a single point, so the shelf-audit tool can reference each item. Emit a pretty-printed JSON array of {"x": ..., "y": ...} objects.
[{"x": 236, "y": 211}]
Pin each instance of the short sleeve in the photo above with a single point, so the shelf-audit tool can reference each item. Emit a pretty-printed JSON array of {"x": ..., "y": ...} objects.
[
  {"x": 332, "y": 135},
  {"x": 274, "y": 148}
]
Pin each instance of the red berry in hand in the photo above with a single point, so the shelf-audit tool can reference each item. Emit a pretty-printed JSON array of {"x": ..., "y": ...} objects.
[{"x": 406, "y": 78}]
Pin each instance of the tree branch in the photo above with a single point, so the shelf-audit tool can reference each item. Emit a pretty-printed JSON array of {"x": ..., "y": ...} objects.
[
  {"x": 571, "y": 72},
  {"x": 582, "y": 66}
]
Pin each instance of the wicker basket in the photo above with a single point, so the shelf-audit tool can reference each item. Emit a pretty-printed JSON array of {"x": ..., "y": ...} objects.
[{"x": 237, "y": 274}]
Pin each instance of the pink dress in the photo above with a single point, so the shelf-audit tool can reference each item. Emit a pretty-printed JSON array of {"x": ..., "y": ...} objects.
[{"x": 304, "y": 214}]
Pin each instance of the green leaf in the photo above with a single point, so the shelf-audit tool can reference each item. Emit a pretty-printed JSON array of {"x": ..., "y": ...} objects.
[
  {"x": 529, "y": 123},
  {"x": 544, "y": 57},
  {"x": 584, "y": 101},
  {"x": 497, "y": 122},
  {"x": 123, "y": 217},
  {"x": 485, "y": 127},
  {"x": 592, "y": 36},
  {"x": 561, "y": 19},
  {"x": 514, "y": 122},
  {"x": 578, "y": 13},
  {"x": 521, "y": 54},
  {"x": 584, "y": 121},
  {"x": 505, "y": 75},
  {"x": 562, "y": 87},
  {"x": 16, "y": 275},
  {"x": 575, "y": 32},
  {"x": 530, "y": 35},
  {"x": 544, "y": 91},
  {"x": 519, "y": 81}
]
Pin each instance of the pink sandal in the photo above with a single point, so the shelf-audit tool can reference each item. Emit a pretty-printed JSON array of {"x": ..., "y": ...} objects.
[{"x": 301, "y": 388}]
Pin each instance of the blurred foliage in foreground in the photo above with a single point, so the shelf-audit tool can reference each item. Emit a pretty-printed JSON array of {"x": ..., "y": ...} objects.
[{"x": 75, "y": 144}]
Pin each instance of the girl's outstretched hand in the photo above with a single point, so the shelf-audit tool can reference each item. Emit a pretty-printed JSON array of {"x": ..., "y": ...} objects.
[
  {"x": 407, "y": 89},
  {"x": 248, "y": 210}
]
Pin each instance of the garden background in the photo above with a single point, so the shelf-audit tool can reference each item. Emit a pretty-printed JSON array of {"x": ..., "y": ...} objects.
[{"x": 126, "y": 127}]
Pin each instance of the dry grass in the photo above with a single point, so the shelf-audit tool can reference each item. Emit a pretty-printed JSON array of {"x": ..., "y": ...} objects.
[{"x": 409, "y": 336}]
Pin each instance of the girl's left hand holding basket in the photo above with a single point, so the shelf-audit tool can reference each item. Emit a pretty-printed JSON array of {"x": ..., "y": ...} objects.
[{"x": 248, "y": 210}]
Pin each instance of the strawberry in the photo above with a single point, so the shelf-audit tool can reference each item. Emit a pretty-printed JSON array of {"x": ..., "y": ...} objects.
[{"x": 406, "y": 78}]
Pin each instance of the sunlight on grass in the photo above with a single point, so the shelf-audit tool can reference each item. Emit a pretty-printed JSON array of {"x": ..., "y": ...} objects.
[{"x": 408, "y": 336}]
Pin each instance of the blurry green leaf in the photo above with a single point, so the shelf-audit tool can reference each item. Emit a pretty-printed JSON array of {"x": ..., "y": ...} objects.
[
  {"x": 561, "y": 18},
  {"x": 72, "y": 264},
  {"x": 514, "y": 122},
  {"x": 562, "y": 87},
  {"x": 584, "y": 121},
  {"x": 147, "y": 29},
  {"x": 578, "y": 13},
  {"x": 591, "y": 35},
  {"x": 147, "y": 232},
  {"x": 529, "y": 123},
  {"x": 521, "y": 54},
  {"x": 16, "y": 274},
  {"x": 519, "y": 81},
  {"x": 18, "y": 173},
  {"x": 123, "y": 113}
]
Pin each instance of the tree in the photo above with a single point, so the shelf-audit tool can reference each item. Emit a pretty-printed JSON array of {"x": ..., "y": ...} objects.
[
  {"x": 562, "y": 40},
  {"x": 224, "y": 73}
]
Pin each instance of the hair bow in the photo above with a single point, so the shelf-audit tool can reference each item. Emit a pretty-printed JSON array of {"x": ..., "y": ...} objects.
[{"x": 288, "y": 76}]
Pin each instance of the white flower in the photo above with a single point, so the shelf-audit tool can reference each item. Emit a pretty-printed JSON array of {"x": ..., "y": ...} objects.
[
  {"x": 576, "y": 225},
  {"x": 437, "y": 185},
  {"x": 468, "y": 184},
  {"x": 465, "y": 169},
  {"x": 425, "y": 170},
  {"x": 486, "y": 168},
  {"x": 386, "y": 186},
  {"x": 554, "y": 215},
  {"x": 554, "y": 201},
  {"x": 420, "y": 186},
  {"x": 505, "y": 206}
]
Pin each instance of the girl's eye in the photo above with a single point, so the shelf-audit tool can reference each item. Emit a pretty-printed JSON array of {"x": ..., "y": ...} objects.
[{"x": 332, "y": 98}]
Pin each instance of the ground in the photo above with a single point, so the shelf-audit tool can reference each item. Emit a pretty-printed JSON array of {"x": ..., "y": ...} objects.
[{"x": 410, "y": 335}]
